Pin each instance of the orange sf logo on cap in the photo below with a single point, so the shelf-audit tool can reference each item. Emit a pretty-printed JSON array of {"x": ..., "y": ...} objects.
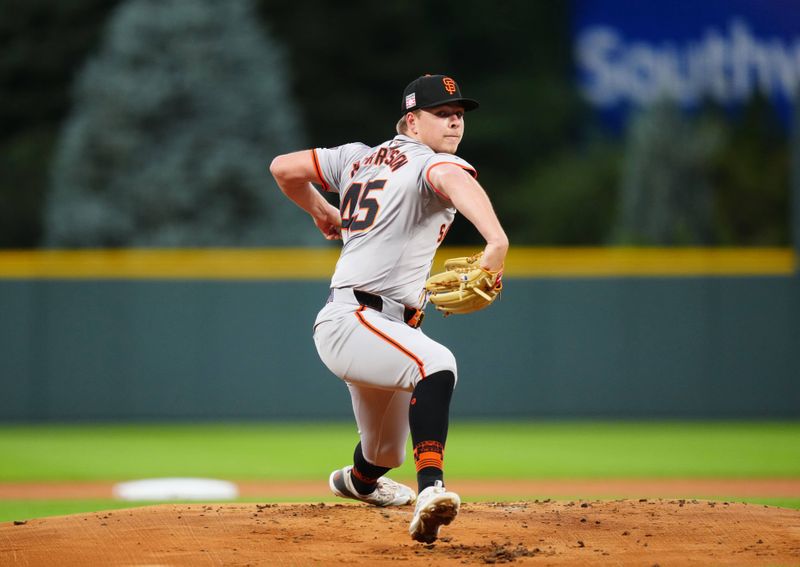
[{"x": 449, "y": 85}]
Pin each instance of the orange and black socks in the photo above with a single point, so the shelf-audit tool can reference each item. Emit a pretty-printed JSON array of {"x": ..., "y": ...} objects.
[
  {"x": 428, "y": 417},
  {"x": 364, "y": 474}
]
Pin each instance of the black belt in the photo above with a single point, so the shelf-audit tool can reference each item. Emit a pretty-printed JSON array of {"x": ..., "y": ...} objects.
[{"x": 413, "y": 317}]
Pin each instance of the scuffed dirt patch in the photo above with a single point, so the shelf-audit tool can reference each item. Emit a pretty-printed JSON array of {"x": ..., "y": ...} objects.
[{"x": 619, "y": 532}]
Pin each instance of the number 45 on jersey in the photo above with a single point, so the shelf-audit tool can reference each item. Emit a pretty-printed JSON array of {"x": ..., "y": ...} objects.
[{"x": 358, "y": 208}]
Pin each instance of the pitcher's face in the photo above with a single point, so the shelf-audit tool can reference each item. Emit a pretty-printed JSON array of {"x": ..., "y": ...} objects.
[{"x": 441, "y": 127}]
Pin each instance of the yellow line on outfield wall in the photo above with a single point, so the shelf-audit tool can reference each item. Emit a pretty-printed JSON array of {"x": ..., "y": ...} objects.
[
  {"x": 615, "y": 262},
  {"x": 318, "y": 263}
]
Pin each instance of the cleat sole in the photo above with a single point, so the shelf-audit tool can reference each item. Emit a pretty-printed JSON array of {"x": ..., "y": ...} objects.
[{"x": 431, "y": 519}]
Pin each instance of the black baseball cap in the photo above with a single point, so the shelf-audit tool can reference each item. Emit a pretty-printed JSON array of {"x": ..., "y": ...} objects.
[{"x": 432, "y": 90}]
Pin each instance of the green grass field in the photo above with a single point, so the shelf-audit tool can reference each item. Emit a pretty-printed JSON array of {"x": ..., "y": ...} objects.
[{"x": 475, "y": 450}]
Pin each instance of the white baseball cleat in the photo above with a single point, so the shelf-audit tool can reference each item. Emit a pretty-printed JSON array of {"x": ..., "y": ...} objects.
[
  {"x": 436, "y": 507},
  {"x": 387, "y": 493}
]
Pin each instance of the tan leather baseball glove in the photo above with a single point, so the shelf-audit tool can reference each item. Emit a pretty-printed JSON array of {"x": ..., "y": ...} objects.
[{"x": 464, "y": 286}]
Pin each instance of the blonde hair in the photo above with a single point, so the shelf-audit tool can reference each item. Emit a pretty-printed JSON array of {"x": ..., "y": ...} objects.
[{"x": 402, "y": 124}]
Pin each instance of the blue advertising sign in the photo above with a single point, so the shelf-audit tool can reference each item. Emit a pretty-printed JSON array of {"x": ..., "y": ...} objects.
[{"x": 633, "y": 52}]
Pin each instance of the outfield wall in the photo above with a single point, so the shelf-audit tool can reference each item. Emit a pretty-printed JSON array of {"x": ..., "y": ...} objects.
[{"x": 131, "y": 347}]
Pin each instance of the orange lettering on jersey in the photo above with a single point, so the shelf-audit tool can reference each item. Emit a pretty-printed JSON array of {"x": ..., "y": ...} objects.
[
  {"x": 383, "y": 156},
  {"x": 398, "y": 161},
  {"x": 449, "y": 85}
]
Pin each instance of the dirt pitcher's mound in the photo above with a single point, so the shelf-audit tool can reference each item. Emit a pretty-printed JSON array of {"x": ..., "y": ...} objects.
[{"x": 623, "y": 532}]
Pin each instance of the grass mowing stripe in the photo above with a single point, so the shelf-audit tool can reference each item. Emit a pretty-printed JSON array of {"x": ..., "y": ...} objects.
[
  {"x": 474, "y": 450},
  {"x": 626, "y": 449},
  {"x": 89, "y": 452}
]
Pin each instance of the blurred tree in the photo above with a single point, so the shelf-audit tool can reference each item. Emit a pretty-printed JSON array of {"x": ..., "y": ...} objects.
[
  {"x": 569, "y": 201},
  {"x": 751, "y": 176},
  {"x": 794, "y": 228},
  {"x": 514, "y": 56},
  {"x": 42, "y": 42},
  {"x": 666, "y": 195},
  {"x": 171, "y": 132},
  {"x": 531, "y": 141},
  {"x": 352, "y": 61},
  {"x": 24, "y": 160}
]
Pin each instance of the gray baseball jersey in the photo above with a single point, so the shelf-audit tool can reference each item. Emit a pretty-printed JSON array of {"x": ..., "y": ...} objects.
[{"x": 393, "y": 219}]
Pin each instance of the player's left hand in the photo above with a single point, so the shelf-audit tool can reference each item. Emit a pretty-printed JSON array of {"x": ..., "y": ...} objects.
[
  {"x": 464, "y": 286},
  {"x": 330, "y": 224}
]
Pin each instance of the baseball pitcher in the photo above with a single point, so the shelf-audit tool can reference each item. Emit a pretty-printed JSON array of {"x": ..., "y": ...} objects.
[{"x": 397, "y": 202}]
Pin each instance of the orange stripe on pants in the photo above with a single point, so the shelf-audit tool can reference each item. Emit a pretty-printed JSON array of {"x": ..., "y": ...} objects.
[{"x": 391, "y": 341}]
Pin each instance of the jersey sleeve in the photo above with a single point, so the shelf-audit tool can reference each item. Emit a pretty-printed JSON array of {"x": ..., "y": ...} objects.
[
  {"x": 437, "y": 160},
  {"x": 333, "y": 164}
]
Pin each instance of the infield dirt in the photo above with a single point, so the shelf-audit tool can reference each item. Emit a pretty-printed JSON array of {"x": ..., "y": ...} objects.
[{"x": 620, "y": 532}]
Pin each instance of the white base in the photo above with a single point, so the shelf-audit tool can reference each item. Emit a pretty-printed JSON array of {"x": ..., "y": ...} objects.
[{"x": 176, "y": 489}]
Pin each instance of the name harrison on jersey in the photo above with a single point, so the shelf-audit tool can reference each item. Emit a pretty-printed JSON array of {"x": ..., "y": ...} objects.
[{"x": 382, "y": 156}]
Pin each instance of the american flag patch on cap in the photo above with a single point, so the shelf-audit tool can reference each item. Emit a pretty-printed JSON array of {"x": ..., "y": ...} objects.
[{"x": 411, "y": 100}]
